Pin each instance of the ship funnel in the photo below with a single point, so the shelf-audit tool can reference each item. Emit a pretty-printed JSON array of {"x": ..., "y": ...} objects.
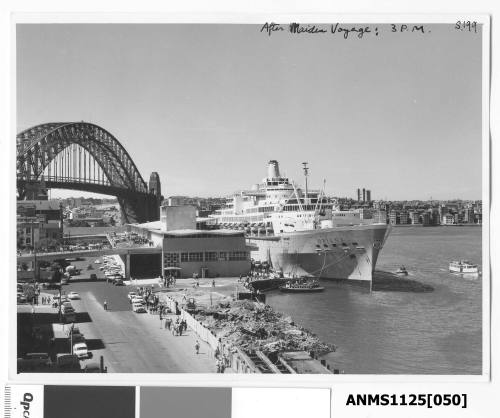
[{"x": 273, "y": 170}]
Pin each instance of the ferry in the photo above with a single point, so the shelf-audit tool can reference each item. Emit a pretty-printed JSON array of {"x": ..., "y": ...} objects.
[
  {"x": 302, "y": 232},
  {"x": 463, "y": 266}
]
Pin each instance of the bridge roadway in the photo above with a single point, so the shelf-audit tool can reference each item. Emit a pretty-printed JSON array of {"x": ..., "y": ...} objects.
[{"x": 126, "y": 252}]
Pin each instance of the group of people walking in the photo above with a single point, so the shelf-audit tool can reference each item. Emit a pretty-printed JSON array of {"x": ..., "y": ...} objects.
[
  {"x": 177, "y": 327},
  {"x": 46, "y": 300}
]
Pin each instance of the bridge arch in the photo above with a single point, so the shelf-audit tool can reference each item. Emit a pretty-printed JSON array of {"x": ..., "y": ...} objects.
[{"x": 41, "y": 146}]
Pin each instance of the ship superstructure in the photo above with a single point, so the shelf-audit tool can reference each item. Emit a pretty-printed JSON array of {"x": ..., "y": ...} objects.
[{"x": 302, "y": 233}]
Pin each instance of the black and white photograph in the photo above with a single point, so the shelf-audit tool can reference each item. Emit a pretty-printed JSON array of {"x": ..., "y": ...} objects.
[{"x": 252, "y": 198}]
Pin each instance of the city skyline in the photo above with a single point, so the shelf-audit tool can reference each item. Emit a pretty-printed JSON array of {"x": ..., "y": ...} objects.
[{"x": 208, "y": 105}]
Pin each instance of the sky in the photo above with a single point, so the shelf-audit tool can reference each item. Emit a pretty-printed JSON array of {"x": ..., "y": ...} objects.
[{"x": 207, "y": 106}]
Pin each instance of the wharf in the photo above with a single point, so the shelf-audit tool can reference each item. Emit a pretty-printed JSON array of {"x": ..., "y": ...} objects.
[{"x": 261, "y": 337}]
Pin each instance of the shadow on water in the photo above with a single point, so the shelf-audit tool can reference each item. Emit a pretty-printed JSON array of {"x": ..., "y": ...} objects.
[{"x": 390, "y": 282}]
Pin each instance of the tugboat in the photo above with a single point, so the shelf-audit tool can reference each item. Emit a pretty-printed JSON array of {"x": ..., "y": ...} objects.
[
  {"x": 301, "y": 286},
  {"x": 402, "y": 271}
]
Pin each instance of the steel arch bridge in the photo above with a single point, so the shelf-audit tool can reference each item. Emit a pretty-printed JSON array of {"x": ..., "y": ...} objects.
[{"x": 83, "y": 156}]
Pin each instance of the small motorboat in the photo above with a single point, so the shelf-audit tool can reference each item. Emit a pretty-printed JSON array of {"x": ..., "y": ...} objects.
[
  {"x": 402, "y": 271},
  {"x": 463, "y": 267},
  {"x": 301, "y": 286}
]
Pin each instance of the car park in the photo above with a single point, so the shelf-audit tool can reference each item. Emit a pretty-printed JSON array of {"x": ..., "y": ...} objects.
[{"x": 81, "y": 350}]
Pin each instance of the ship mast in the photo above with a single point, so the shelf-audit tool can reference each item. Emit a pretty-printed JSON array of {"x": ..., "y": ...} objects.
[{"x": 306, "y": 173}]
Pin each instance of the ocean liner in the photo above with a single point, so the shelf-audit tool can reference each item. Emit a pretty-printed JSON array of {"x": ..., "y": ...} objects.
[{"x": 302, "y": 232}]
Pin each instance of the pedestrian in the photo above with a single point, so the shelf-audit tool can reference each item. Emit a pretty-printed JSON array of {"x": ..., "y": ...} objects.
[
  {"x": 213, "y": 283},
  {"x": 168, "y": 322},
  {"x": 105, "y": 305},
  {"x": 180, "y": 329},
  {"x": 197, "y": 347},
  {"x": 218, "y": 364}
]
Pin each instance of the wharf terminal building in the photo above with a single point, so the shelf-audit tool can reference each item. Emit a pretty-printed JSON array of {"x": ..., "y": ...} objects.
[{"x": 186, "y": 250}]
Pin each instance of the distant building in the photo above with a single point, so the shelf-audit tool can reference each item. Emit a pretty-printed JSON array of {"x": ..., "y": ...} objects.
[
  {"x": 469, "y": 215},
  {"x": 365, "y": 213},
  {"x": 364, "y": 194},
  {"x": 414, "y": 217},
  {"x": 393, "y": 217},
  {"x": 426, "y": 218},
  {"x": 359, "y": 194},
  {"x": 38, "y": 220},
  {"x": 368, "y": 196},
  {"x": 380, "y": 216},
  {"x": 448, "y": 219},
  {"x": 403, "y": 218}
]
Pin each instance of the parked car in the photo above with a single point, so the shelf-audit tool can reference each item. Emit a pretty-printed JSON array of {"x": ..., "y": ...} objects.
[
  {"x": 131, "y": 295},
  {"x": 73, "y": 295},
  {"x": 118, "y": 282},
  {"x": 138, "y": 308},
  {"x": 137, "y": 299},
  {"x": 81, "y": 350},
  {"x": 93, "y": 276},
  {"x": 64, "y": 280}
]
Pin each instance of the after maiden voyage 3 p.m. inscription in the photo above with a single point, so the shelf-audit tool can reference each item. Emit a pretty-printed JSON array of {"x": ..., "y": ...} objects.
[{"x": 345, "y": 31}]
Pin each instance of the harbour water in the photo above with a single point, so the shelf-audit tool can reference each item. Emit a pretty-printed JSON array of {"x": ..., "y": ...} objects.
[{"x": 392, "y": 332}]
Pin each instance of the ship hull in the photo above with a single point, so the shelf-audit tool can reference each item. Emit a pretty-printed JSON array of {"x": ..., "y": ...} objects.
[{"x": 340, "y": 253}]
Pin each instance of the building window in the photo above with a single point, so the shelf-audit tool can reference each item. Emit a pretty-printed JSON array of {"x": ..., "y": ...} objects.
[
  {"x": 28, "y": 240},
  {"x": 195, "y": 256},
  {"x": 238, "y": 256},
  {"x": 171, "y": 260},
  {"x": 211, "y": 256},
  {"x": 223, "y": 256},
  {"x": 184, "y": 257},
  {"x": 28, "y": 230}
]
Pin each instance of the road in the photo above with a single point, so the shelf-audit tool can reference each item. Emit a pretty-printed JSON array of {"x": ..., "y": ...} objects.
[{"x": 130, "y": 342}]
